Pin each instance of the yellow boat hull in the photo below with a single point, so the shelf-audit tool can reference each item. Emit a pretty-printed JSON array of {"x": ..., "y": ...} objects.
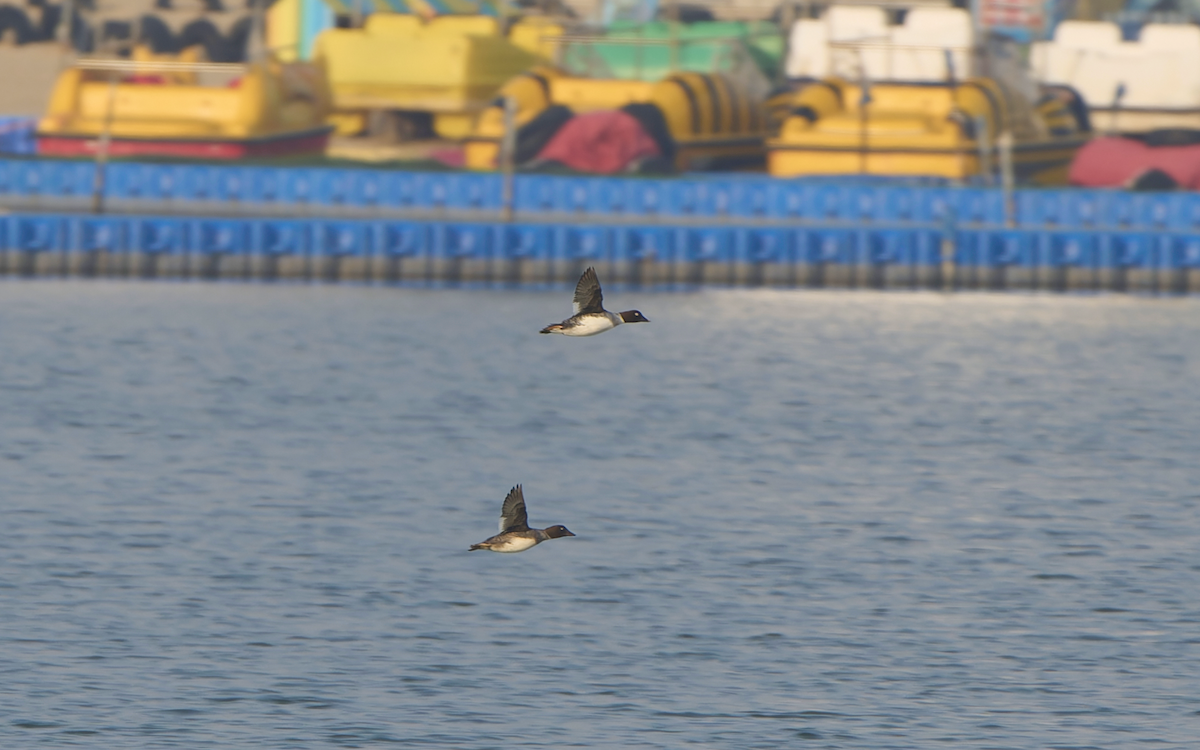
[
  {"x": 709, "y": 120},
  {"x": 261, "y": 102},
  {"x": 449, "y": 65},
  {"x": 939, "y": 130}
]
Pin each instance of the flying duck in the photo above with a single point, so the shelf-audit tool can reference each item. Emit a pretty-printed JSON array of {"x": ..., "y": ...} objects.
[
  {"x": 590, "y": 316},
  {"x": 515, "y": 534}
]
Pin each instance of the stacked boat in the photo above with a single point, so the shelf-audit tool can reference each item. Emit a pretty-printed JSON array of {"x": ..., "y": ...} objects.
[
  {"x": 1144, "y": 94},
  {"x": 692, "y": 93},
  {"x": 399, "y": 70},
  {"x": 855, "y": 93},
  {"x": 182, "y": 106},
  {"x": 920, "y": 98}
]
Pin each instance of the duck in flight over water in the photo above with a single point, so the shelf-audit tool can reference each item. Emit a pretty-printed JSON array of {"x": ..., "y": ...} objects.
[
  {"x": 590, "y": 316},
  {"x": 515, "y": 534}
]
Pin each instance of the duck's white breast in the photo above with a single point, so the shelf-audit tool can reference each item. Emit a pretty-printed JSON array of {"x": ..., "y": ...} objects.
[
  {"x": 589, "y": 325},
  {"x": 514, "y": 544}
]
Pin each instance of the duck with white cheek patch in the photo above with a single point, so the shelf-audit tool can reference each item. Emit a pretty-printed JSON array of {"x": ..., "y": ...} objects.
[
  {"x": 515, "y": 534},
  {"x": 590, "y": 316}
]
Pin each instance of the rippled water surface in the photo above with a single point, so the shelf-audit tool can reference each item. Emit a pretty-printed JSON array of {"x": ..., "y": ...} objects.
[{"x": 237, "y": 516}]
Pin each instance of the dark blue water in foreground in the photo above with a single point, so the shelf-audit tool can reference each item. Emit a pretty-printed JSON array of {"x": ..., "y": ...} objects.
[{"x": 237, "y": 516}]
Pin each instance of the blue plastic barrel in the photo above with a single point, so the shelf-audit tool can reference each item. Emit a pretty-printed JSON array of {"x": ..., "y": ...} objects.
[
  {"x": 234, "y": 184},
  {"x": 1076, "y": 249},
  {"x": 1126, "y": 250},
  {"x": 828, "y": 246},
  {"x": 154, "y": 235},
  {"x": 278, "y": 237},
  {"x": 582, "y": 242},
  {"x": 342, "y": 239},
  {"x": 219, "y": 236},
  {"x": 300, "y": 185},
  {"x": 647, "y": 197},
  {"x": 750, "y": 197},
  {"x": 707, "y": 244},
  {"x": 764, "y": 245},
  {"x": 100, "y": 234},
  {"x": 33, "y": 233},
  {"x": 470, "y": 191},
  {"x": 266, "y": 184},
  {"x": 431, "y": 190},
  {"x": 334, "y": 187},
  {"x": 887, "y": 247},
  {"x": 529, "y": 242},
  {"x": 455, "y": 240},
  {"x": 639, "y": 243},
  {"x": 403, "y": 238}
]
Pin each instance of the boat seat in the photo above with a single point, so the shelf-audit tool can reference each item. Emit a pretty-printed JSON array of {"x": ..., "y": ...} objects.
[
  {"x": 866, "y": 26},
  {"x": 1087, "y": 35},
  {"x": 1160, "y": 70},
  {"x": 920, "y": 43},
  {"x": 808, "y": 55}
]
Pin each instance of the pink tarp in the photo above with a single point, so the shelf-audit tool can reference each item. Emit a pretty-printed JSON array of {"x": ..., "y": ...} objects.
[
  {"x": 602, "y": 142},
  {"x": 1113, "y": 162}
]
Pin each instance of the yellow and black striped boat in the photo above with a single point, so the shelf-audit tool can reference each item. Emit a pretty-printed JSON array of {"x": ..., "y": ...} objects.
[
  {"x": 942, "y": 129},
  {"x": 923, "y": 97},
  {"x": 705, "y": 96},
  {"x": 710, "y": 123}
]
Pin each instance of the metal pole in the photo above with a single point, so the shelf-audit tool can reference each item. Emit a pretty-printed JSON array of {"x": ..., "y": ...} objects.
[
  {"x": 102, "y": 145},
  {"x": 948, "y": 248},
  {"x": 863, "y": 102},
  {"x": 256, "y": 50},
  {"x": 1118, "y": 95},
  {"x": 1005, "y": 144},
  {"x": 983, "y": 137},
  {"x": 508, "y": 154}
]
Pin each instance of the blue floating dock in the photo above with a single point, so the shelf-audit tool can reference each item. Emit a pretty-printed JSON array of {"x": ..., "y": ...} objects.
[{"x": 387, "y": 225}]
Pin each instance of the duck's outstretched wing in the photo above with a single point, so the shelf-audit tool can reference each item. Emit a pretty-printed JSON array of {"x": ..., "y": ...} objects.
[
  {"x": 513, "y": 516},
  {"x": 588, "y": 297}
]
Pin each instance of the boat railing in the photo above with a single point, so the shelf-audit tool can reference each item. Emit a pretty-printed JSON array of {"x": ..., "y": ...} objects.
[
  {"x": 115, "y": 65},
  {"x": 880, "y": 46}
]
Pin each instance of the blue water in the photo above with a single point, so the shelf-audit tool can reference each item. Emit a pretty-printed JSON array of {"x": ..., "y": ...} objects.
[{"x": 237, "y": 516}]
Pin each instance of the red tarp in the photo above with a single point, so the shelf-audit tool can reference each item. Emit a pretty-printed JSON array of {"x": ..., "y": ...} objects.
[
  {"x": 1113, "y": 162},
  {"x": 603, "y": 142}
]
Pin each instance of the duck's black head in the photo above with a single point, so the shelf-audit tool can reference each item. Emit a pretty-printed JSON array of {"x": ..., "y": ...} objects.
[
  {"x": 554, "y": 532},
  {"x": 633, "y": 316}
]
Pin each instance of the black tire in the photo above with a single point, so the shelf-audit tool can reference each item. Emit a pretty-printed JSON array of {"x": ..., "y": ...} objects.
[
  {"x": 47, "y": 22},
  {"x": 156, "y": 35},
  {"x": 82, "y": 36},
  {"x": 118, "y": 30},
  {"x": 202, "y": 32},
  {"x": 14, "y": 23},
  {"x": 650, "y": 117},
  {"x": 237, "y": 43},
  {"x": 1152, "y": 180},
  {"x": 533, "y": 136}
]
